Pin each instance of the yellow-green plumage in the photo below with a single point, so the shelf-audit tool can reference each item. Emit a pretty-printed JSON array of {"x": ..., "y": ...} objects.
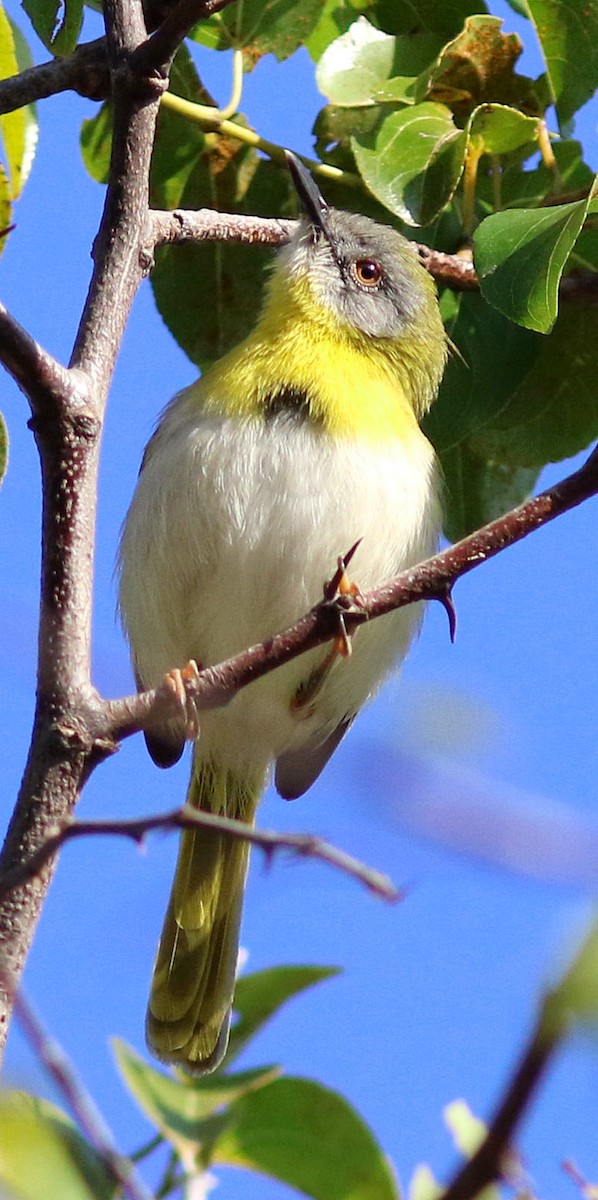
[
  {"x": 187, "y": 1019},
  {"x": 300, "y": 442}
]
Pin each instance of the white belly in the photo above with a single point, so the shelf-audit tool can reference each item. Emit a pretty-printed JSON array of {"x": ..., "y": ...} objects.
[{"x": 232, "y": 532}]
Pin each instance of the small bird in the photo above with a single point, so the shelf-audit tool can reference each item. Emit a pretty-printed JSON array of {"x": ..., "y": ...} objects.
[{"x": 298, "y": 443}]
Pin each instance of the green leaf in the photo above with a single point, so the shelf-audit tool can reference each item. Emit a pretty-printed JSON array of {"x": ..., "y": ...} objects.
[
  {"x": 259, "y": 996},
  {"x": 19, "y": 129},
  {"x": 3, "y": 448},
  {"x": 42, "y": 1153},
  {"x": 445, "y": 18},
  {"x": 498, "y": 129},
  {"x": 568, "y": 34},
  {"x": 478, "y": 490},
  {"x": 553, "y": 413},
  {"x": 5, "y": 207},
  {"x": 365, "y": 65},
  {"x": 185, "y": 1110},
  {"x": 575, "y": 996},
  {"x": 413, "y": 161},
  {"x": 520, "y": 256},
  {"x": 261, "y": 27},
  {"x": 493, "y": 357},
  {"x": 56, "y": 22},
  {"x": 335, "y": 18},
  {"x": 95, "y": 141},
  {"x": 310, "y": 1138},
  {"x": 353, "y": 67}
]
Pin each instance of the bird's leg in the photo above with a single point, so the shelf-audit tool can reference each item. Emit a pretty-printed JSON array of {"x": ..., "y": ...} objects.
[
  {"x": 175, "y": 683},
  {"x": 345, "y": 597}
]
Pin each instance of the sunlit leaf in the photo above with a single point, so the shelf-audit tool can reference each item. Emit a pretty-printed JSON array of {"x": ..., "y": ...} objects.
[
  {"x": 19, "y": 129},
  {"x": 365, "y": 65},
  {"x": 498, "y": 129},
  {"x": 56, "y": 22},
  {"x": 568, "y": 36},
  {"x": 520, "y": 256},
  {"x": 259, "y": 996},
  {"x": 186, "y": 1111},
  {"x": 575, "y": 996},
  {"x": 413, "y": 161},
  {"x": 356, "y": 64},
  {"x": 261, "y": 27},
  {"x": 43, "y": 1154},
  {"x": 310, "y": 1138},
  {"x": 95, "y": 141}
]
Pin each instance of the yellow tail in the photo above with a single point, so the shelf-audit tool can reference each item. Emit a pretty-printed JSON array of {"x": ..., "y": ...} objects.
[{"x": 194, "y": 974}]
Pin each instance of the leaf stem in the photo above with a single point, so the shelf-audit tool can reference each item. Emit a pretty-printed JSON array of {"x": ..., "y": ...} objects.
[
  {"x": 212, "y": 117},
  {"x": 234, "y": 102}
]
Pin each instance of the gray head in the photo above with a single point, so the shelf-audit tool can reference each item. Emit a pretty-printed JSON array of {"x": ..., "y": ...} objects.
[{"x": 365, "y": 274}]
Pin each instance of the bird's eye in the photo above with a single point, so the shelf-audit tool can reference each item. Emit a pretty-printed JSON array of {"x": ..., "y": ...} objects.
[{"x": 368, "y": 272}]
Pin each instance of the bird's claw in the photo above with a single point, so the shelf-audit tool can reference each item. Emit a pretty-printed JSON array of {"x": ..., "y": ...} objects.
[{"x": 177, "y": 684}]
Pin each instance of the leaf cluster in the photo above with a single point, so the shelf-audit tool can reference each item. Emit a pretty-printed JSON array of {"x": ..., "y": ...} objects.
[{"x": 428, "y": 125}]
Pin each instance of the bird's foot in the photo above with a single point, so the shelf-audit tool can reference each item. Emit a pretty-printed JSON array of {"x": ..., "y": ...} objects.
[
  {"x": 176, "y": 683},
  {"x": 344, "y": 599}
]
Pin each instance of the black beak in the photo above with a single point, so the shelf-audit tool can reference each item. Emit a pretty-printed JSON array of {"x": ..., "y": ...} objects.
[{"x": 313, "y": 204}]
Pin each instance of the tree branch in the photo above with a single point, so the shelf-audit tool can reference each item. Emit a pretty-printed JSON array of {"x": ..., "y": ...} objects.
[
  {"x": 68, "y": 408},
  {"x": 486, "y": 1165},
  {"x": 84, "y": 71},
  {"x": 54, "y": 1059},
  {"x": 301, "y": 845},
  {"x": 159, "y": 50},
  {"x": 430, "y": 580}
]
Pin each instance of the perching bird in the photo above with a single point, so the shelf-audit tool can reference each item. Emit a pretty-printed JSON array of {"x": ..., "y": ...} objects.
[{"x": 298, "y": 443}]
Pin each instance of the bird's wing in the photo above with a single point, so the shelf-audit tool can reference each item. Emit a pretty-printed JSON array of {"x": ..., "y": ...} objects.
[{"x": 296, "y": 770}]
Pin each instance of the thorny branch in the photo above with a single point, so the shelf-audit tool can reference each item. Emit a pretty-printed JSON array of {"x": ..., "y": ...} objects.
[
  {"x": 300, "y": 845},
  {"x": 431, "y": 580}
]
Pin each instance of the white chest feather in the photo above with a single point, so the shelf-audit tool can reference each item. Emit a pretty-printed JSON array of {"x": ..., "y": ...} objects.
[{"x": 232, "y": 532}]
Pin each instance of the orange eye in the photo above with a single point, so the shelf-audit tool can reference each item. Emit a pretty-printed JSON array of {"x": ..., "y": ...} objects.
[{"x": 368, "y": 272}]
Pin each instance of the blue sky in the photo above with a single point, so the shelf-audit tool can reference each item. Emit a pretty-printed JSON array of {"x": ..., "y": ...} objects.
[{"x": 494, "y": 737}]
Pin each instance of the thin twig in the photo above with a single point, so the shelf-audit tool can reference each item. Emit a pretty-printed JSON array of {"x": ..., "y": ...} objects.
[
  {"x": 302, "y": 845},
  {"x": 430, "y": 580},
  {"x": 53, "y": 1057},
  {"x": 486, "y": 1165}
]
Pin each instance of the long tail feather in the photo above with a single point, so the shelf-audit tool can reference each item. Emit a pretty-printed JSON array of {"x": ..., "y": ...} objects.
[{"x": 194, "y": 974}]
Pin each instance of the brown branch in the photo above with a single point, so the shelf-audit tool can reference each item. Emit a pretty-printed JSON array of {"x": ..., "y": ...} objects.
[
  {"x": 159, "y": 50},
  {"x": 302, "y": 845},
  {"x": 84, "y": 71},
  {"x": 204, "y": 224},
  {"x": 487, "y": 1164},
  {"x": 53, "y": 1057},
  {"x": 68, "y": 409},
  {"x": 430, "y": 580}
]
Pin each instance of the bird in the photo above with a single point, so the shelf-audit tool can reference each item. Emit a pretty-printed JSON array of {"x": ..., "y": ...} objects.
[{"x": 299, "y": 442}]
